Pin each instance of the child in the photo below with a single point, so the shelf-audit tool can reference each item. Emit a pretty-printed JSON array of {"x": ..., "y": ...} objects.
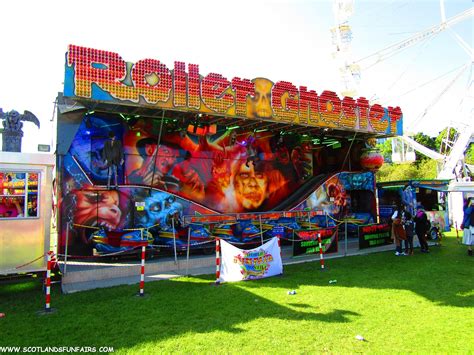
[{"x": 409, "y": 225}]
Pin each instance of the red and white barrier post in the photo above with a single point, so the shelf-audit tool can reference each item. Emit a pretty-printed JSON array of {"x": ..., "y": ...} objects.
[
  {"x": 142, "y": 273},
  {"x": 218, "y": 261},
  {"x": 48, "y": 283},
  {"x": 321, "y": 254}
]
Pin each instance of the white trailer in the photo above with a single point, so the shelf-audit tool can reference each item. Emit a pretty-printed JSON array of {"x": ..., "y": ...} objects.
[
  {"x": 458, "y": 191},
  {"x": 25, "y": 211}
]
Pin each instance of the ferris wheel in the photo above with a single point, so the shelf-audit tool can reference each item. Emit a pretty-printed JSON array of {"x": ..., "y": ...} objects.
[
  {"x": 342, "y": 42},
  {"x": 351, "y": 72}
]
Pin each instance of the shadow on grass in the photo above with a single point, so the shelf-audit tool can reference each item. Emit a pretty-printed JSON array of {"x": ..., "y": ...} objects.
[
  {"x": 444, "y": 276},
  {"x": 115, "y": 316}
]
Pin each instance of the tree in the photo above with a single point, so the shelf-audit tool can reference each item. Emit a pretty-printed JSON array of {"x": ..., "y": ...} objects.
[
  {"x": 423, "y": 167},
  {"x": 426, "y": 169},
  {"x": 441, "y": 136},
  {"x": 385, "y": 149},
  {"x": 470, "y": 155},
  {"x": 395, "y": 172},
  {"x": 427, "y": 141}
]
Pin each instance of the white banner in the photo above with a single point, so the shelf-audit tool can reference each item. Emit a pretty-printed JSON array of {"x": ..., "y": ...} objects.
[{"x": 238, "y": 264}]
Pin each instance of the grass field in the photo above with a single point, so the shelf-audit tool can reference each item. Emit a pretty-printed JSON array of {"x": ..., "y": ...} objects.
[{"x": 422, "y": 304}]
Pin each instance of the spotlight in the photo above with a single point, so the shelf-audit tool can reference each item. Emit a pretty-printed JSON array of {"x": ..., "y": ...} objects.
[
  {"x": 201, "y": 131},
  {"x": 212, "y": 129},
  {"x": 192, "y": 128}
]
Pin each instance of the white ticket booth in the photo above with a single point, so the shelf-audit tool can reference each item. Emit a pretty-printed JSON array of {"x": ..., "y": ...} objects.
[{"x": 25, "y": 211}]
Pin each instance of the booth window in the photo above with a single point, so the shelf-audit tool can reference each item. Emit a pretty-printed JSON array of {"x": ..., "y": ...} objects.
[{"x": 19, "y": 194}]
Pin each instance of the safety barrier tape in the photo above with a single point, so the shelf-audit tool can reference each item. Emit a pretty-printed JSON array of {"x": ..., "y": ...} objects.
[
  {"x": 349, "y": 222},
  {"x": 16, "y": 268},
  {"x": 128, "y": 250},
  {"x": 100, "y": 255},
  {"x": 167, "y": 246},
  {"x": 121, "y": 230},
  {"x": 192, "y": 245},
  {"x": 29, "y": 263},
  {"x": 82, "y": 225}
]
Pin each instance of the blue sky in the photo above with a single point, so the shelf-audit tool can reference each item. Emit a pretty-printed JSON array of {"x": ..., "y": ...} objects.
[
  {"x": 280, "y": 40},
  {"x": 418, "y": 65}
]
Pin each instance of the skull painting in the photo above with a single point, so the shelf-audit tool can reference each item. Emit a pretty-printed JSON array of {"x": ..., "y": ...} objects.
[{"x": 260, "y": 106}]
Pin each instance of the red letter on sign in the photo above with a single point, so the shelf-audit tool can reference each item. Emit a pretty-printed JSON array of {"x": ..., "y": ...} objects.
[
  {"x": 363, "y": 107},
  {"x": 194, "y": 100},
  {"x": 349, "y": 116},
  {"x": 152, "y": 80},
  {"x": 309, "y": 106},
  {"x": 330, "y": 108},
  {"x": 105, "y": 69},
  {"x": 213, "y": 93},
  {"x": 284, "y": 102},
  {"x": 375, "y": 118},
  {"x": 179, "y": 84},
  {"x": 242, "y": 88},
  {"x": 395, "y": 114}
]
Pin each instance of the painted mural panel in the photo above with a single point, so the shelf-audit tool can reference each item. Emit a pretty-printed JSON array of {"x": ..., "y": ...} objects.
[
  {"x": 438, "y": 219},
  {"x": 169, "y": 172},
  {"x": 333, "y": 196},
  {"x": 176, "y": 173},
  {"x": 85, "y": 210},
  {"x": 228, "y": 171}
]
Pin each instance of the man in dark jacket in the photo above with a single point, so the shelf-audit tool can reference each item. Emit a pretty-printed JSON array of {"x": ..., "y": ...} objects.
[
  {"x": 113, "y": 156},
  {"x": 421, "y": 228}
]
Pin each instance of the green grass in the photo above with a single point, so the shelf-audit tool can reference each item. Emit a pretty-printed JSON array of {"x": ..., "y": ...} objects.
[{"x": 421, "y": 304}]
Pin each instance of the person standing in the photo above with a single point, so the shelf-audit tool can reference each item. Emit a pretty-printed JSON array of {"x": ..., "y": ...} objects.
[
  {"x": 409, "y": 225},
  {"x": 467, "y": 225},
  {"x": 113, "y": 157},
  {"x": 421, "y": 228},
  {"x": 398, "y": 232}
]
